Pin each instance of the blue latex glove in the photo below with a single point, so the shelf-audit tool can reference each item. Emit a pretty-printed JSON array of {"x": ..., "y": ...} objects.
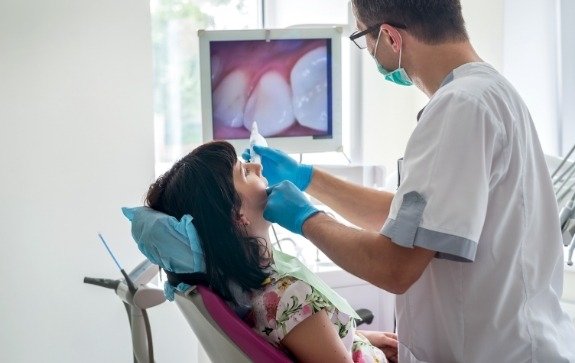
[
  {"x": 279, "y": 166},
  {"x": 288, "y": 207}
]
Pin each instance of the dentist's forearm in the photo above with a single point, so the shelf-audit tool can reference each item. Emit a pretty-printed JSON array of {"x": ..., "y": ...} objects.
[
  {"x": 367, "y": 208},
  {"x": 367, "y": 254}
]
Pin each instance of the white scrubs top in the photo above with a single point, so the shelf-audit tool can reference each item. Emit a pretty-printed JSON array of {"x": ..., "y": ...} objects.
[{"x": 475, "y": 188}]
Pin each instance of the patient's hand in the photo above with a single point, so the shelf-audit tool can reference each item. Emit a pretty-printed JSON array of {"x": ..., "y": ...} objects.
[{"x": 385, "y": 341}]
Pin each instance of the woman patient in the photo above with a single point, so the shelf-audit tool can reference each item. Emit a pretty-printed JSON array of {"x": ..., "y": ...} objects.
[{"x": 226, "y": 199}]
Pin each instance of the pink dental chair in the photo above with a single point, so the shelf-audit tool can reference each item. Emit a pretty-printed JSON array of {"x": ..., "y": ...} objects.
[{"x": 223, "y": 335}]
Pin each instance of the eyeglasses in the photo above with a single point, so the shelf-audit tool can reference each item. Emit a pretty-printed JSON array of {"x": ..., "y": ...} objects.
[{"x": 358, "y": 38}]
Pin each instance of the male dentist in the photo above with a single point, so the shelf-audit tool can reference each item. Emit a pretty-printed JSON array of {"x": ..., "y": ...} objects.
[{"x": 470, "y": 242}]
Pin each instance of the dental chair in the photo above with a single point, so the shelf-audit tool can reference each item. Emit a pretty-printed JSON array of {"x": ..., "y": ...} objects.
[
  {"x": 174, "y": 246},
  {"x": 220, "y": 331},
  {"x": 222, "y": 334}
]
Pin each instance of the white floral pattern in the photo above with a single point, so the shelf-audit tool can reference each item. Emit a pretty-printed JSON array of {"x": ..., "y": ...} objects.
[{"x": 284, "y": 302}]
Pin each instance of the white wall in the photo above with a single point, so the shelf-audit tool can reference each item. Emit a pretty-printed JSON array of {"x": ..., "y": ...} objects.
[
  {"x": 531, "y": 63},
  {"x": 390, "y": 111},
  {"x": 567, "y": 76},
  {"x": 76, "y": 144}
]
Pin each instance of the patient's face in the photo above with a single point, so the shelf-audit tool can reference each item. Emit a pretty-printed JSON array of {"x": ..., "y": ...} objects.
[{"x": 251, "y": 186}]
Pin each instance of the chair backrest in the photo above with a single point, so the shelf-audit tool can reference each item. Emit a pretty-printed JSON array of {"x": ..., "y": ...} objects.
[{"x": 223, "y": 335}]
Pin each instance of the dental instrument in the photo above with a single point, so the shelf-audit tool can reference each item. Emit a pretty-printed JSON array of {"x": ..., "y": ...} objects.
[
  {"x": 566, "y": 213},
  {"x": 256, "y": 139},
  {"x": 131, "y": 286},
  {"x": 560, "y": 181},
  {"x": 571, "y": 249},
  {"x": 563, "y": 161},
  {"x": 137, "y": 296},
  {"x": 564, "y": 185},
  {"x": 566, "y": 218},
  {"x": 567, "y": 179},
  {"x": 565, "y": 193}
]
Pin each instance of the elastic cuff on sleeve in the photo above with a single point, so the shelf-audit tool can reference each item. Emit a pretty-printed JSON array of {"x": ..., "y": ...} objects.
[
  {"x": 403, "y": 231},
  {"x": 304, "y": 176},
  {"x": 304, "y": 217}
]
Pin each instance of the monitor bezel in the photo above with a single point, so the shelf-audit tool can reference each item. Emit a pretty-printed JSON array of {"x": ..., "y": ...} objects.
[{"x": 292, "y": 144}]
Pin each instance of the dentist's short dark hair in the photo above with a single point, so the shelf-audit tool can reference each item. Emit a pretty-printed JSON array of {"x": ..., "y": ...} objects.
[{"x": 430, "y": 21}]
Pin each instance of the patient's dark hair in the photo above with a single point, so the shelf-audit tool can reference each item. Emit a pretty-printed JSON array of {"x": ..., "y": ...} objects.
[
  {"x": 201, "y": 184},
  {"x": 430, "y": 21}
]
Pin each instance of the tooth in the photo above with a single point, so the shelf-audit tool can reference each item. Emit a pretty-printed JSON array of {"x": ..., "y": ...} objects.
[
  {"x": 229, "y": 99},
  {"x": 216, "y": 67},
  {"x": 270, "y": 105},
  {"x": 309, "y": 87}
]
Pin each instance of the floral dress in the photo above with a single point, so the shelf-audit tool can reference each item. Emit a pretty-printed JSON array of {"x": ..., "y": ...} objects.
[{"x": 284, "y": 302}]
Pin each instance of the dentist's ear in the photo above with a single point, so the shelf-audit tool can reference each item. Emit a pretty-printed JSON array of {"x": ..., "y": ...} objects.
[{"x": 392, "y": 37}]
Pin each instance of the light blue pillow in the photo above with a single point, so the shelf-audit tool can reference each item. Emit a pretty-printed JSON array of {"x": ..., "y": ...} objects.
[
  {"x": 174, "y": 246},
  {"x": 171, "y": 244}
]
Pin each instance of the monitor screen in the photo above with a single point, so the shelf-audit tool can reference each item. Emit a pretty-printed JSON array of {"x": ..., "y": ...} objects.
[{"x": 286, "y": 80}]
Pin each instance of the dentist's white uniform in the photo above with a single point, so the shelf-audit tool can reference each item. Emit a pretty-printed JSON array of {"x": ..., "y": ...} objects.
[{"x": 475, "y": 188}]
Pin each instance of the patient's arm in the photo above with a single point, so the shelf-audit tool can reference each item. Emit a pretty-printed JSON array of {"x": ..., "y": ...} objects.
[{"x": 316, "y": 340}]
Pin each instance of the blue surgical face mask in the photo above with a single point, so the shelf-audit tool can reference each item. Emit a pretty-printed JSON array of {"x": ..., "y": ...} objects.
[{"x": 398, "y": 76}]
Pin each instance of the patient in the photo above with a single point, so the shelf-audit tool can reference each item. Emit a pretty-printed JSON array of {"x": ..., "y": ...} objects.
[{"x": 226, "y": 199}]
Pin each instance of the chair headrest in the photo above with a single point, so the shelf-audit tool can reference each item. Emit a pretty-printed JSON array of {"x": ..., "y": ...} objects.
[
  {"x": 172, "y": 244},
  {"x": 175, "y": 246}
]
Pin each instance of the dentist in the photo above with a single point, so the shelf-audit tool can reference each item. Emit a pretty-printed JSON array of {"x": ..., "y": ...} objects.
[{"x": 470, "y": 242}]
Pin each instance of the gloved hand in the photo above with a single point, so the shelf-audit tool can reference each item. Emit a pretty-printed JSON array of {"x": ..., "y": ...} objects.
[
  {"x": 279, "y": 166},
  {"x": 246, "y": 155},
  {"x": 288, "y": 206}
]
